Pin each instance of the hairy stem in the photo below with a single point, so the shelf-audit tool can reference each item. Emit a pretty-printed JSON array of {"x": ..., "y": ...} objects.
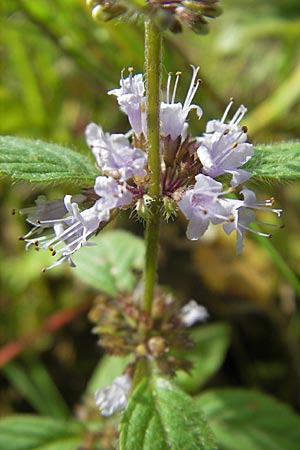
[{"x": 153, "y": 51}]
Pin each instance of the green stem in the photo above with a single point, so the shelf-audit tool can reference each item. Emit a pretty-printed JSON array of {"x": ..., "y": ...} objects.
[{"x": 153, "y": 51}]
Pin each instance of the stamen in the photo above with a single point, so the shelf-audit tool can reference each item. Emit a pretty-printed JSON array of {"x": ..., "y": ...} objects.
[
  {"x": 191, "y": 88},
  {"x": 130, "y": 70},
  {"x": 238, "y": 115},
  {"x": 168, "y": 86},
  {"x": 122, "y": 78},
  {"x": 231, "y": 102},
  {"x": 259, "y": 233},
  {"x": 175, "y": 86}
]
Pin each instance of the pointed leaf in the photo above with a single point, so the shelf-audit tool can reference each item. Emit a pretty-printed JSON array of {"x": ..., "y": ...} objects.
[
  {"x": 207, "y": 355},
  {"x": 250, "y": 420},
  {"x": 37, "y": 161},
  {"x": 109, "y": 265},
  {"x": 160, "y": 416},
  {"x": 279, "y": 161},
  {"x": 39, "y": 433},
  {"x": 36, "y": 385}
]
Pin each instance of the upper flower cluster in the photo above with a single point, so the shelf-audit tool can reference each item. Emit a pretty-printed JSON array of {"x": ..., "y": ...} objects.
[
  {"x": 199, "y": 175},
  {"x": 170, "y": 15}
]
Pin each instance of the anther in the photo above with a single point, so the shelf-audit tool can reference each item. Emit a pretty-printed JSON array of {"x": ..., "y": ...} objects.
[
  {"x": 245, "y": 129},
  {"x": 231, "y": 218},
  {"x": 270, "y": 236},
  {"x": 44, "y": 269},
  {"x": 231, "y": 99},
  {"x": 130, "y": 69},
  {"x": 199, "y": 81},
  {"x": 13, "y": 212},
  {"x": 272, "y": 200},
  {"x": 53, "y": 253},
  {"x": 21, "y": 238},
  {"x": 36, "y": 243},
  {"x": 235, "y": 145},
  {"x": 226, "y": 131},
  {"x": 177, "y": 74}
]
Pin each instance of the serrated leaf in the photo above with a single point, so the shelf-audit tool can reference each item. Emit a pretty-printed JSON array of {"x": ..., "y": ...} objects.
[
  {"x": 250, "y": 420},
  {"x": 279, "y": 161},
  {"x": 38, "y": 161},
  {"x": 109, "y": 265},
  {"x": 211, "y": 344},
  {"x": 160, "y": 416},
  {"x": 39, "y": 433}
]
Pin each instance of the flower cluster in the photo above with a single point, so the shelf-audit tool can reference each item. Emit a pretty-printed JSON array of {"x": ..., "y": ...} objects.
[
  {"x": 169, "y": 15},
  {"x": 199, "y": 176},
  {"x": 118, "y": 322},
  {"x": 73, "y": 220}
]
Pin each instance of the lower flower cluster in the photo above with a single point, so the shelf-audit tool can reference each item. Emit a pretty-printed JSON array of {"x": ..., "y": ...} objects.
[
  {"x": 124, "y": 328},
  {"x": 200, "y": 176}
]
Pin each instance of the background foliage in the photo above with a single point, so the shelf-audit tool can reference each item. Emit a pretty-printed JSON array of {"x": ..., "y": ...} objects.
[{"x": 56, "y": 67}]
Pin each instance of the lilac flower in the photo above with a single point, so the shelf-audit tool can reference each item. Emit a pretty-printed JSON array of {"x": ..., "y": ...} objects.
[
  {"x": 232, "y": 126},
  {"x": 243, "y": 212},
  {"x": 71, "y": 229},
  {"x": 114, "y": 397},
  {"x": 114, "y": 155},
  {"x": 173, "y": 115},
  {"x": 112, "y": 195},
  {"x": 223, "y": 148},
  {"x": 132, "y": 101},
  {"x": 192, "y": 313},
  {"x": 69, "y": 233},
  {"x": 202, "y": 205}
]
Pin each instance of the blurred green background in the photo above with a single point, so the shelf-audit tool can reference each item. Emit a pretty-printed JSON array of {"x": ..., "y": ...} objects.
[{"x": 56, "y": 67}]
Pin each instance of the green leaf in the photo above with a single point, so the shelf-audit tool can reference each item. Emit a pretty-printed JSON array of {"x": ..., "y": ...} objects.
[
  {"x": 109, "y": 265},
  {"x": 36, "y": 385},
  {"x": 211, "y": 344},
  {"x": 37, "y": 161},
  {"x": 279, "y": 161},
  {"x": 250, "y": 420},
  {"x": 160, "y": 416},
  {"x": 108, "y": 368},
  {"x": 39, "y": 433}
]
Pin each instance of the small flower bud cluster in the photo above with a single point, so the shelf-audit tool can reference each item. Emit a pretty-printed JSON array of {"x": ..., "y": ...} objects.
[
  {"x": 123, "y": 327},
  {"x": 171, "y": 15}
]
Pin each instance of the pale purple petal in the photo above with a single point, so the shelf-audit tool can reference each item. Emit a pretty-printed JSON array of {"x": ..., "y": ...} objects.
[
  {"x": 192, "y": 313},
  {"x": 114, "y": 397}
]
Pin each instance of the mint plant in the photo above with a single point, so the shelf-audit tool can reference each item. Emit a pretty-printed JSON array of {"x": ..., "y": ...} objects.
[{"x": 154, "y": 171}]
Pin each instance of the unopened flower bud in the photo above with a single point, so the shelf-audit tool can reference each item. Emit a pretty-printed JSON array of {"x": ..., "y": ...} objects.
[
  {"x": 141, "y": 350},
  {"x": 170, "y": 208},
  {"x": 143, "y": 206},
  {"x": 107, "y": 11},
  {"x": 157, "y": 346}
]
